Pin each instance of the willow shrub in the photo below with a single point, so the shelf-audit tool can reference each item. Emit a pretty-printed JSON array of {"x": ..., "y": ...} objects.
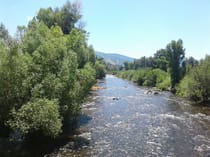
[
  {"x": 148, "y": 77},
  {"x": 37, "y": 115},
  {"x": 195, "y": 84}
]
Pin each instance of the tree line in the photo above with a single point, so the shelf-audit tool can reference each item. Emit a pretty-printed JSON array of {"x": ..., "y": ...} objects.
[
  {"x": 46, "y": 70},
  {"x": 169, "y": 69}
]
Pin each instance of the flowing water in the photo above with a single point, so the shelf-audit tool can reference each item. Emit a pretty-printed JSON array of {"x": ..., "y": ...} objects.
[{"x": 122, "y": 120}]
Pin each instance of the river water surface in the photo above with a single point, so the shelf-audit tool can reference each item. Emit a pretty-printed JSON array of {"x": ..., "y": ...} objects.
[{"x": 121, "y": 120}]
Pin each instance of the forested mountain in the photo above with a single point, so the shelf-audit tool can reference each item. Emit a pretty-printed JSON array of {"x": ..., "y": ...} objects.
[{"x": 114, "y": 58}]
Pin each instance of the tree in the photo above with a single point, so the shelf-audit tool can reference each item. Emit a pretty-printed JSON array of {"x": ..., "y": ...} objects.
[
  {"x": 65, "y": 17},
  {"x": 44, "y": 67},
  {"x": 76, "y": 41},
  {"x": 160, "y": 59},
  {"x": 5, "y": 38},
  {"x": 100, "y": 70},
  {"x": 190, "y": 63},
  {"x": 140, "y": 63},
  {"x": 176, "y": 54},
  {"x": 126, "y": 65},
  {"x": 195, "y": 84},
  {"x": 14, "y": 92},
  {"x": 143, "y": 62},
  {"x": 21, "y": 30},
  {"x": 45, "y": 74},
  {"x": 47, "y": 16}
]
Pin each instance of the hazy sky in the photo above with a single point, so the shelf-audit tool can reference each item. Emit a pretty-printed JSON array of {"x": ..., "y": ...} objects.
[{"x": 131, "y": 27}]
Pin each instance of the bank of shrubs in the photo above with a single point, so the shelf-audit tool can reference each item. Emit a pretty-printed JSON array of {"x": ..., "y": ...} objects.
[
  {"x": 196, "y": 83},
  {"x": 148, "y": 77},
  {"x": 45, "y": 73},
  {"x": 169, "y": 69}
]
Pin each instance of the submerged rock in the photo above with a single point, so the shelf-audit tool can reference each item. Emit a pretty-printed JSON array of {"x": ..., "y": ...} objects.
[{"x": 115, "y": 98}]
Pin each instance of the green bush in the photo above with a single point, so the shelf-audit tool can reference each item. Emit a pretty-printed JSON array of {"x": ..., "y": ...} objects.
[
  {"x": 163, "y": 80},
  {"x": 87, "y": 78},
  {"x": 139, "y": 76},
  {"x": 13, "y": 89},
  {"x": 165, "y": 83},
  {"x": 39, "y": 115},
  {"x": 46, "y": 63},
  {"x": 195, "y": 84},
  {"x": 100, "y": 70},
  {"x": 148, "y": 77}
]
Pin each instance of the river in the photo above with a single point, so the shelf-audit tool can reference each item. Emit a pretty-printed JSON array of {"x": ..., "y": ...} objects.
[{"x": 121, "y": 120}]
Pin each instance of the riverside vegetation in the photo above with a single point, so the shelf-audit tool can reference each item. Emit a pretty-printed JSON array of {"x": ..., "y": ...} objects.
[
  {"x": 168, "y": 69},
  {"x": 45, "y": 72},
  {"x": 48, "y": 69}
]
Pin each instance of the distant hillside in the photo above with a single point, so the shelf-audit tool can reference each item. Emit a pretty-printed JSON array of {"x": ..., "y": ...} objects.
[{"x": 113, "y": 58}]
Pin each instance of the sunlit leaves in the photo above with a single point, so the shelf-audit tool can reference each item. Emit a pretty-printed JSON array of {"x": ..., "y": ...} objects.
[
  {"x": 195, "y": 84},
  {"x": 176, "y": 54},
  {"x": 46, "y": 73},
  {"x": 39, "y": 114}
]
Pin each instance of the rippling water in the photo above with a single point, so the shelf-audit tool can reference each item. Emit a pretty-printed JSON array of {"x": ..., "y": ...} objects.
[{"x": 121, "y": 120}]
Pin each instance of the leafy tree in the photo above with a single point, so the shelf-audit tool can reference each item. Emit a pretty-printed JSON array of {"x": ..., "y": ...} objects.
[
  {"x": 91, "y": 57},
  {"x": 160, "y": 59},
  {"x": 143, "y": 62},
  {"x": 176, "y": 54},
  {"x": 5, "y": 38},
  {"x": 195, "y": 84},
  {"x": 190, "y": 63},
  {"x": 70, "y": 14},
  {"x": 65, "y": 17},
  {"x": 49, "y": 68},
  {"x": 87, "y": 77},
  {"x": 76, "y": 41},
  {"x": 140, "y": 63},
  {"x": 47, "y": 16},
  {"x": 13, "y": 72},
  {"x": 100, "y": 70},
  {"x": 21, "y": 30},
  {"x": 126, "y": 65}
]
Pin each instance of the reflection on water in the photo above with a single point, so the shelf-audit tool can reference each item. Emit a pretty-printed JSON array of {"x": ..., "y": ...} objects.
[{"x": 121, "y": 120}]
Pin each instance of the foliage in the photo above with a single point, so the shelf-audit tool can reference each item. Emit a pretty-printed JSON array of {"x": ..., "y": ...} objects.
[
  {"x": 40, "y": 114},
  {"x": 139, "y": 76},
  {"x": 13, "y": 71},
  {"x": 190, "y": 63},
  {"x": 100, "y": 69},
  {"x": 76, "y": 41},
  {"x": 5, "y": 38},
  {"x": 143, "y": 62},
  {"x": 163, "y": 80},
  {"x": 170, "y": 59},
  {"x": 176, "y": 54},
  {"x": 65, "y": 17},
  {"x": 195, "y": 84},
  {"x": 148, "y": 77},
  {"x": 87, "y": 77},
  {"x": 161, "y": 60},
  {"x": 45, "y": 73}
]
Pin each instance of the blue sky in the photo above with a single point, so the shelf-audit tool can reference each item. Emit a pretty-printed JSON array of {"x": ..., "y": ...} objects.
[{"x": 131, "y": 27}]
